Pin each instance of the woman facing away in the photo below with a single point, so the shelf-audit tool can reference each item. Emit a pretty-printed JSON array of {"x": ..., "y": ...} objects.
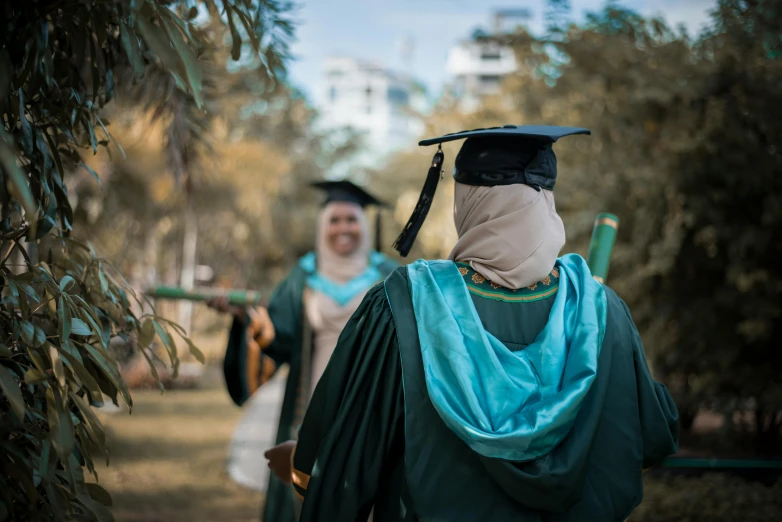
[
  {"x": 502, "y": 384},
  {"x": 302, "y": 323}
]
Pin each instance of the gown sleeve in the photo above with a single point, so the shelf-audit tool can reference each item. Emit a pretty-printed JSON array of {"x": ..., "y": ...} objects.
[
  {"x": 659, "y": 416},
  {"x": 349, "y": 441},
  {"x": 285, "y": 313},
  {"x": 242, "y": 352}
]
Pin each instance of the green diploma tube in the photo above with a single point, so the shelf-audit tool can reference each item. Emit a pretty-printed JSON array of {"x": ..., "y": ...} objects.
[
  {"x": 235, "y": 297},
  {"x": 602, "y": 244}
]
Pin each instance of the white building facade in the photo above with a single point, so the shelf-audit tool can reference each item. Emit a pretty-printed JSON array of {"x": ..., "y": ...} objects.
[
  {"x": 371, "y": 99},
  {"x": 477, "y": 68}
]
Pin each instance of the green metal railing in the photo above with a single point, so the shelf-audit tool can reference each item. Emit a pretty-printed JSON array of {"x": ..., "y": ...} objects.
[{"x": 712, "y": 463}]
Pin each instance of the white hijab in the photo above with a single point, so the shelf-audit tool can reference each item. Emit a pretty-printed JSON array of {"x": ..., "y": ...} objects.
[
  {"x": 325, "y": 315},
  {"x": 250, "y": 439},
  {"x": 510, "y": 234}
]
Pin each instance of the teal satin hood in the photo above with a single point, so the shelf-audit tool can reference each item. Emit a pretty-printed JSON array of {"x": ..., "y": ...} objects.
[{"x": 515, "y": 406}]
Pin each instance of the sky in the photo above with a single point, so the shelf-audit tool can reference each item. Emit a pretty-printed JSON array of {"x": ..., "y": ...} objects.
[{"x": 379, "y": 31}]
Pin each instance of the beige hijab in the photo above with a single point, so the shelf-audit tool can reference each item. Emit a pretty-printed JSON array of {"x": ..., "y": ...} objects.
[
  {"x": 326, "y": 317},
  {"x": 509, "y": 234}
]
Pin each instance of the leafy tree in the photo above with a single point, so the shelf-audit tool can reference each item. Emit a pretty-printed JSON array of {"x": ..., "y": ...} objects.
[
  {"x": 725, "y": 296},
  {"x": 60, "y": 62}
]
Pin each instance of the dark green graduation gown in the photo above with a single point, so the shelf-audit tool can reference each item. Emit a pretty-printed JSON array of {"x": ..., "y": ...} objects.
[
  {"x": 292, "y": 339},
  {"x": 371, "y": 436}
]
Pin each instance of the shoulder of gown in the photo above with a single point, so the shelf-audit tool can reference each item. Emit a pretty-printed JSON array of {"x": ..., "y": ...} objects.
[
  {"x": 353, "y": 419},
  {"x": 382, "y": 262},
  {"x": 658, "y": 413}
]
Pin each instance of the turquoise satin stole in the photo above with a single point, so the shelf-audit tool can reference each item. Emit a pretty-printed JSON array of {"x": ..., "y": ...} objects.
[
  {"x": 342, "y": 293},
  {"x": 510, "y": 405}
]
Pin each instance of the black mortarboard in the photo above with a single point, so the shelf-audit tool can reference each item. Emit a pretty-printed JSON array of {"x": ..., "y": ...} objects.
[
  {"x": 351, "y": 193},
  {"x": 346, "y": 191},
  {"x": 506, "y": 155}
]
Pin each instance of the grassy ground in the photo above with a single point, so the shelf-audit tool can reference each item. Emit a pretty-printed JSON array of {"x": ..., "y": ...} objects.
[
  {"x": 168, "y": 460},
  {"x": 168, "y": 465}
]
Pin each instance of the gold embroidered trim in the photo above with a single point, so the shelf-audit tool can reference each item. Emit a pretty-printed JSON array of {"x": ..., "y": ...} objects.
[
  {"x": 480, "y": 285},
  {"x": 300, "y": 478},
  {"x": 514, "y": 298},
  {"x": 608, "y": 221}
]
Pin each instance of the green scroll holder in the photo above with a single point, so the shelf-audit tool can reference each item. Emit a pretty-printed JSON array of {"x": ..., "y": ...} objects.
[
  {"x": 602, "y": 245},
  {"x": 235, "y": 297}
]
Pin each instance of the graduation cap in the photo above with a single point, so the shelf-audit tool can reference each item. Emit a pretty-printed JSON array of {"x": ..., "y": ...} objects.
[
  {"x": 512, "y": 154},
  {"x": 349, "y": 192}
]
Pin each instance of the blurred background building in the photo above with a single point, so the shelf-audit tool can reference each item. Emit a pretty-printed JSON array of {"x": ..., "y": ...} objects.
[
  {"x": 477, "y": 65},
  {"x": 368, "y": 97},
  {"x": 386, "y": 107},
  {"x": 380, "y": 105}
]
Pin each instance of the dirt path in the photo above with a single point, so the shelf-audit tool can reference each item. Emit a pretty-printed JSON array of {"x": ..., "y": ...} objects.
[
  {"x": 168, "y": 460},
  {"x": 168, "y": 464}
]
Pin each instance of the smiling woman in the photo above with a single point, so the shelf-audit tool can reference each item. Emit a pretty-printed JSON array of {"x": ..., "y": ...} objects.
[
  {"x": 306, "y": 314},
  {"x": 344, "y": 231}
]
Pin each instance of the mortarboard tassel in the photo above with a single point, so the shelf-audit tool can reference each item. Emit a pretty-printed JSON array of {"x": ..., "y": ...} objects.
[{"x": 404, "y": 242}]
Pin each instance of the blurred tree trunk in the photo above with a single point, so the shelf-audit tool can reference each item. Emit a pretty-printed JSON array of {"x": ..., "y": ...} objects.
[
  {"x": 150, "y": 260},
  {"x": 187, "y": 274}
]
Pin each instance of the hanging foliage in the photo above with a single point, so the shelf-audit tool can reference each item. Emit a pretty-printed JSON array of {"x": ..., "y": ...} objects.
[{"x": 61, "y": 304}]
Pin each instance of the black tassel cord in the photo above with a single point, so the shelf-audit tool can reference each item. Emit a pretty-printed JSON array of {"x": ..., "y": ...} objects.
[{"x": 405, "y": 241}]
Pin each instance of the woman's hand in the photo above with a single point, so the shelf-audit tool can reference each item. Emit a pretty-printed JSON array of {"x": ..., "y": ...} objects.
[
  {"x": 222, "y": 305},
  {"x": 281, "y": 461}
]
